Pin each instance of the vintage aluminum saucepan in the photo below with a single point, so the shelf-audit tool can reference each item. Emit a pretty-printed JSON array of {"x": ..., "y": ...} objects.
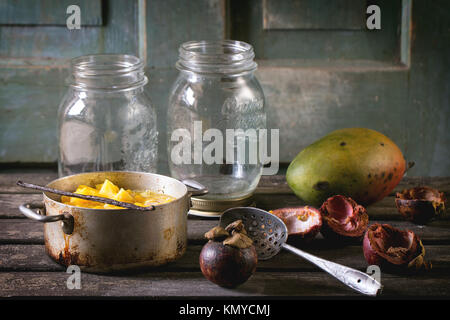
[{"x": 107, "y": 240}]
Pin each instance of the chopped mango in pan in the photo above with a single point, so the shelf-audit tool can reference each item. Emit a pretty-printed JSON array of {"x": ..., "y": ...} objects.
[{"x": 107, "y": 189}]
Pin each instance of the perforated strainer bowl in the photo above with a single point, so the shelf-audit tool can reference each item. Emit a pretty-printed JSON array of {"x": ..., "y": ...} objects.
[{"x": 269, "y": 235}]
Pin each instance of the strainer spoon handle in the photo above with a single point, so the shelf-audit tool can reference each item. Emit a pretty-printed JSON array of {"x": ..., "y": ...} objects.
[{"x": 355, "y": 279}]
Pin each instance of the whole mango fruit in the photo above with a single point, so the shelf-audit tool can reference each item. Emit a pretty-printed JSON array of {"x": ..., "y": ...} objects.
[{"x": 360, "y": 163}]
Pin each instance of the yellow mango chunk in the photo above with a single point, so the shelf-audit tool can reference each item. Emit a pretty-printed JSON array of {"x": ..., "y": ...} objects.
[
  {"x": 77, "y": 202},
  {"x": 88, "y": 191},
  {"x": 85, "y": 190},
  {"x": 139, "y": 198},
  {"x": 132, "y": 193},
  {"x": 140, "y": 204},
  {"x": 124, "y": 196},
  {"x": 108, "y": 189},
  {"x": 110, "y": 206}
]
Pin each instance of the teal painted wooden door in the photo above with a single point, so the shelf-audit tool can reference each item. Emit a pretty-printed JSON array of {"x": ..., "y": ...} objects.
[{"x": 320, "y": 67}]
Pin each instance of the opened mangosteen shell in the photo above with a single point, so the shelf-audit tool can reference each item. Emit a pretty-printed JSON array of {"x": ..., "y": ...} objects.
[
  {"x": 420, "y": 204},
  {"x": 334, "y": 228},
  {"x": 299, "y": 222},
  {"x": 390, "y": 253}
]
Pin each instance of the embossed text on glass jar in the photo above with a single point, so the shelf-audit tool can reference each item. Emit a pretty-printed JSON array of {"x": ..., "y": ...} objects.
[{"x": 217, "y": 88}]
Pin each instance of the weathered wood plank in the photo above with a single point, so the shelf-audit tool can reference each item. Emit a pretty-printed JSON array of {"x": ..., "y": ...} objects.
[
  {"x": 25, "y": 258},
  {"x": 383, "y": 210},
  {"x": 19, "y": 257},
  {"x": 278, "y": 184},
  {"x": 172, "y": 284},
  {"x": 21, "y": 231},
  {"x": 9, "y": 204},
  {"x": 273, "y": 201},
  {"x": 165, "y": 284},
  {"x": 440, "y": 183},
  {"x": 267, "y": 185},
  {"x": 273, "y": 192},
  {"x": 8, "y": 179},
  {"x": 24, "y": 231}
]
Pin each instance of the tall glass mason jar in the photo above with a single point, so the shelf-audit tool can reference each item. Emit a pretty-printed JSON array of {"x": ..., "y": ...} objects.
[
  {"x": 105, "y": 121},
  {"x": 216, "y": 93}
]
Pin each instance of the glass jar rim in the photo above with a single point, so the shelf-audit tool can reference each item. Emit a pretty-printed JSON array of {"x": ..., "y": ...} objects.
[
  {"x": 117, "y": 72},
  {"x": 230, "y": 57}
]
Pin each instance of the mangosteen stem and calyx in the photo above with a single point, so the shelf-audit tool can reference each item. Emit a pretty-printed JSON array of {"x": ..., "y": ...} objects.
[
  {"x": 233, "y": 235},
  {"x": 217, "y": 234}
]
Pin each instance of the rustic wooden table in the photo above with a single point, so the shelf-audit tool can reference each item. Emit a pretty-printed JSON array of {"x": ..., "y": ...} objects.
[{"x": 26, "y": 270}]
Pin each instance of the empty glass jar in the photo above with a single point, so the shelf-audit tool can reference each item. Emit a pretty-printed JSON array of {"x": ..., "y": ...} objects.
[
  {"x": 105, "y": 121},
  {"x": 216, "y": 93}
]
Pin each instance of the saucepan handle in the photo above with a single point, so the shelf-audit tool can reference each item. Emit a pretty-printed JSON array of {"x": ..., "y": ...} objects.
[
  {"x": 199, "y": 188},
  {"x": 67, "y": 221}
]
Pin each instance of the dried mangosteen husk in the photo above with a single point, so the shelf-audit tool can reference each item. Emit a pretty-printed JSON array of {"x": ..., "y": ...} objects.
[
  {"x": 343, "y": 219},
  {"x": 393, "y": 249},
  {"x": 217, "y": 234},
  {"x": 238, "y": 240},
  {"x": 420, "y": 204},
  {"x": 236, "y": 226},
  {"x": 303, "y": 223},
  {"x": 233, "y": 235}
]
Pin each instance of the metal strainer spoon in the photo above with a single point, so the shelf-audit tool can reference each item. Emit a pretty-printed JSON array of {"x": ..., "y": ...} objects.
[{"x": 269, "y": 235}]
